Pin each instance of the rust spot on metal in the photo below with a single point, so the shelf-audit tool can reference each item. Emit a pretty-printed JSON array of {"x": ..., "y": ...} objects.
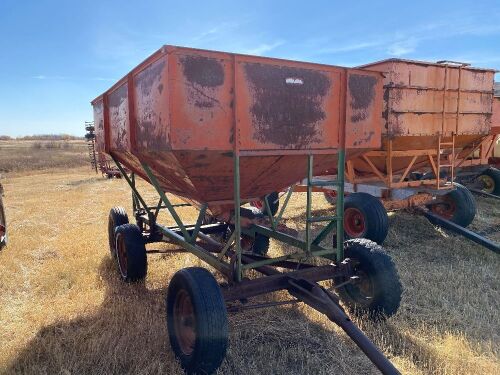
[
  {"x": 362, "y": 90},
  {"x": 203, "y": 71},
  {"x": 118, "y": 110},
  {"x": 367, "y": 138},
  {"x": 203, "y": 75},
  {"x": 287, "y": 105},
  {"x": 151, "y": 130}
]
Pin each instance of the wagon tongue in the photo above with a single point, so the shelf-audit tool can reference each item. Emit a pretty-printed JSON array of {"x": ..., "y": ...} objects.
[{"x": 325, "y": 302}]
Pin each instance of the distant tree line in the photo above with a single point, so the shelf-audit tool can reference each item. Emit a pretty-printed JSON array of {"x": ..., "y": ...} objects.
[{"x": 42, "y": 137}]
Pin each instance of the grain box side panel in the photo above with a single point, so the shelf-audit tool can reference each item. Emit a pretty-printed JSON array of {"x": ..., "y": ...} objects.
[
  {"x": 201, "y": 100},
  {"x": 477, "y": 80},
  {"x": 118, "y": 118},
  {"x": 495, "y": 118},
  {"x": 364, "y": 102},
  {"x": 98, "y": 108},
  {"x": 151, "y": 95},
  {"x": 286, "y": 105}
]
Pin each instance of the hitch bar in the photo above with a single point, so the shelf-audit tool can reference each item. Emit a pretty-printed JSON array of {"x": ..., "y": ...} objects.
[
  {"x": 327, "y": 303},
  {"x": 484, "y": 194},
  {"x": 467, "y": 233}
]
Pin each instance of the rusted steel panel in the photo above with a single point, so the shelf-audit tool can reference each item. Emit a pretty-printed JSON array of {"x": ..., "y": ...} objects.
[
  {"x": 286, "y": 105},
  {"x": 99, "y": 125},
  {"x": 363, "y": 118},
  {"x": 416, "y": 94},
  {"x": 151, "y": 106},
  {"x": 118, "y": 118},
  {"x": 495, "y": 118},
  {"x": 201, "y": 86}
]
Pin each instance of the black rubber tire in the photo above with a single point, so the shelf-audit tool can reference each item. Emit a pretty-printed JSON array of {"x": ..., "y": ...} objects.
[
  {"x": 376, "y": 221},
  {"x": 260, "y": 245},
  {"x": 274, "y": 203},
  {"x": 494, "y": 174},
  {"x": 210, "y": 315},
  {"x": 465, "y": 206},
  {"x": 330, "y": 199},
  {"x": 3, "y": 223},
  {"x": 136, "y": 266},
  {"x": 374, "y": 266},
  {"x": 117, "y": 216}
]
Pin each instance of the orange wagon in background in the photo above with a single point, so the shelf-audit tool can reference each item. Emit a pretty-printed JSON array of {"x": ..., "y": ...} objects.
[{"x": 437, "y": 130}]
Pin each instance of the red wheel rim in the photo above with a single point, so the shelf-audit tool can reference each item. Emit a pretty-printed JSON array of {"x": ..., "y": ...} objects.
[
  {"x": 331, "y": 193},
  {"x": 184, "y": 322},
  {"x": 354, "y": 222},
  {"x": 257, "y": 204},
  {"x": 488, "y": 183},
  {"x": 446, "y": 208},
  {"x": 121, "y": 253}
]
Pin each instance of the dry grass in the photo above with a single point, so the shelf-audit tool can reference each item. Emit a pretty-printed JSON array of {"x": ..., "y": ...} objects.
[
  {"x": 28, "y": 155},
  {"x": 64, "y": 310}
]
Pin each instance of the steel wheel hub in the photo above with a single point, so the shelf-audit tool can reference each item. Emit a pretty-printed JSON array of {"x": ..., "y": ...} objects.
[
  {"x": 445, "y": 209},
  {"x": 487, "y": 182},
  {"x": 121, "y": 253},
  {"x": 354, "y": 222},
  {"x": 184, "y": 322}
]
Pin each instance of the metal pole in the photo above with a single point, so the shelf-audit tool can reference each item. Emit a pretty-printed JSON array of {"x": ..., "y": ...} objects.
[
  {"x": 339, "y": 211},
  {"x": 310, "y": 165},
  {"x": 134, "y": 205},
  {"x": 237, "y": 218}
]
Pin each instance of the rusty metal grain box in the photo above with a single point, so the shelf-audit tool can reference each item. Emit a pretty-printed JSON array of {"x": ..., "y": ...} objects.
[
  {"x": 422, "y": 98},
  {"x": 185, "y": 111},
  {"x": 434, "y": 114}
]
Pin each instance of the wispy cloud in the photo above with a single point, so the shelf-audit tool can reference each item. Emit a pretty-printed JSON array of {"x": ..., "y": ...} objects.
[
  {"x": 355, "y": 46},
  {"x": 405, "y": 41},
  {"x": 211, "y": 33},
  {"x": 262, "y": 48},
  {"x": 43, "y": 77},
  {"x": 402, "y": 47}
]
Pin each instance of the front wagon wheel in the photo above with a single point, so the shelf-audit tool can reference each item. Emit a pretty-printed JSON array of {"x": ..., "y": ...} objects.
[
  {"x": 197, "y": 320},
  {"x": 377, "y": 289}
]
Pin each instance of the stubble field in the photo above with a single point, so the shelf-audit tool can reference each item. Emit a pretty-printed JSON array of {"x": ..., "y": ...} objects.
[{"x": 63, "y": 309}]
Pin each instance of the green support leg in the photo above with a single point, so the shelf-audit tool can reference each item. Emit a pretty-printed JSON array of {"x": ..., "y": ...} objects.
[
  {"x": 310, "y": 164},
  {"x": 340, "y": 206},
  {"x": 166, "y": 201},
  {"x": 237, "y": 218}
]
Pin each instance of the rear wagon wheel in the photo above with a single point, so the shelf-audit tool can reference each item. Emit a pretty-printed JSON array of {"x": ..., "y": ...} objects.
[
  {"x": 331, "y": 196},
  {"x": 117, "y": 216},
  {"x": 365, "y": 217},
  {"x": 490, "y": 181},
  {"x": 197, "y": 320},
  {"x": 131, "y": 253},
  {"x": 458, "y": 206},
  {"x": 273, "y": 201},
  {"x": 3, "y": 223}
]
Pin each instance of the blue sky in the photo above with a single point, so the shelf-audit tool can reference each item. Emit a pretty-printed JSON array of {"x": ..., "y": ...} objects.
[{"x": 55, "y": 56}]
